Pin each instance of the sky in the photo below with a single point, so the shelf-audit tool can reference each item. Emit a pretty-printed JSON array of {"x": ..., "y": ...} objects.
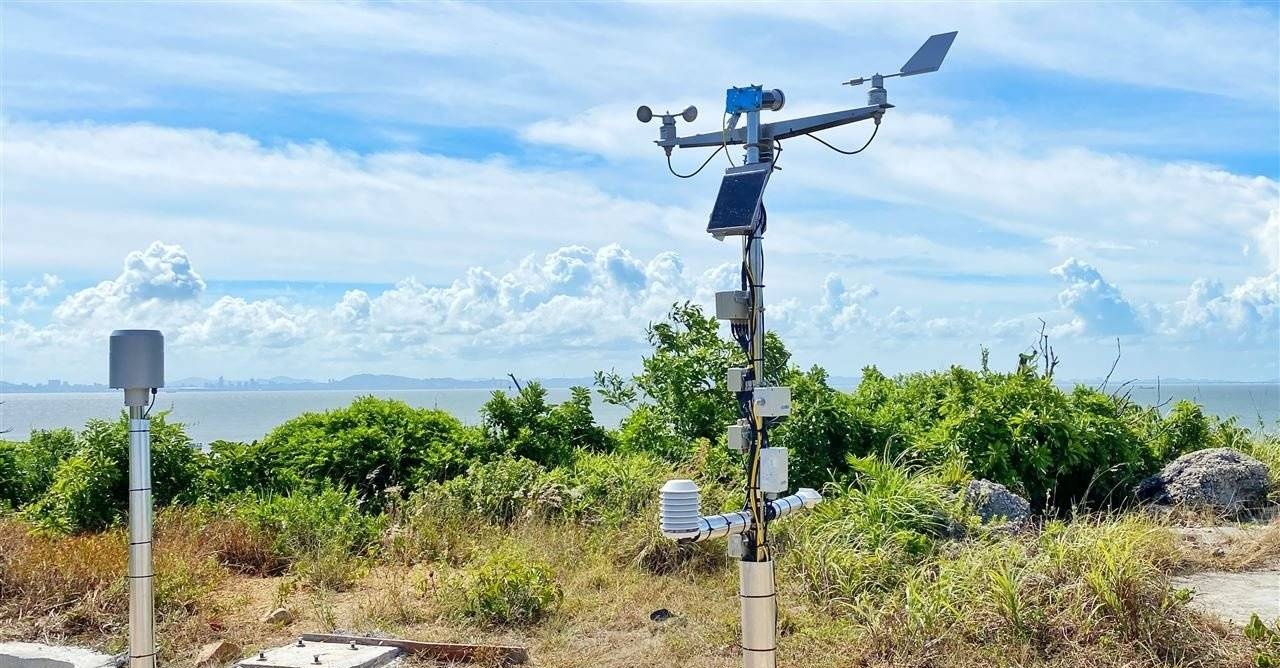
[{"x": 453, "y": 189}]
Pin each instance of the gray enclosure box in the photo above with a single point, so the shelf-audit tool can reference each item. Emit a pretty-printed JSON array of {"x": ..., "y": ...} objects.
[
  {"x": 732, "y": 305},
  {"x": 137, "y": 359}
]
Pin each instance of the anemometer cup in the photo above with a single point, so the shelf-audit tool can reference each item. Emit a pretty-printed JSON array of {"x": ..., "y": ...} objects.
[{"x": 644, "y": 114}]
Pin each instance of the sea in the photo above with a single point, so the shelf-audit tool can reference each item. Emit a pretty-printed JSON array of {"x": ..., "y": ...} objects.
[{"x": 211, "y": 415}]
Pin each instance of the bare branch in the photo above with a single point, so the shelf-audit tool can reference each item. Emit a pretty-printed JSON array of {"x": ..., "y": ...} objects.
[{"x": 1103, "y": 386}]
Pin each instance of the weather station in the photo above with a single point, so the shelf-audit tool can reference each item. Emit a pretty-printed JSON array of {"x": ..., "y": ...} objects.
[{"x": 739, "y": 211}]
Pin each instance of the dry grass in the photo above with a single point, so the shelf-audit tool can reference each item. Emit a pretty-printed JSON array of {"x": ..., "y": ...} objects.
[
  {"x": 1091, "y": 593},
  {"x": 1229, "y": 548},
  {"x": 60, "y": 588}
]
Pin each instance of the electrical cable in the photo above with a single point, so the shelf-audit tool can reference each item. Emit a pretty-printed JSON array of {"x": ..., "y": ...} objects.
[
  {"x": 696, "y": 171},
  {"x": 724, "y": 137},
  {"x": 842, "y": 151},
  {"x": 146, "y": 415}
]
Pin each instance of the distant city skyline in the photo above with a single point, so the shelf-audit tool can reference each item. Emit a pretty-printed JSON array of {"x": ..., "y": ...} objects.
[{"x": 462, "y": 189}]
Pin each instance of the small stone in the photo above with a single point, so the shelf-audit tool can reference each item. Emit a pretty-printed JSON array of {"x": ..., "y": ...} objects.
[
  {"x": 992, "y": 502},
  {"x": 279, "y": 616},
  {"x": 217, "y": 653}
]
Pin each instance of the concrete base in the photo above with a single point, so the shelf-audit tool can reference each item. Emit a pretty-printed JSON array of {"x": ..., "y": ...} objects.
[
  {"x": 36, "y": 655},
  {"x": 1235, "y": 596},
  {"x": 323, "y": 655}
]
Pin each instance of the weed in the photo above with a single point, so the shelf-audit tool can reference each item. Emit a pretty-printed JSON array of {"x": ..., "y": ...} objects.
[{"x": 504, "y": 589}]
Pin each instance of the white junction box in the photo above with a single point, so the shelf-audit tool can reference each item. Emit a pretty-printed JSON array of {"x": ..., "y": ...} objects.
[
  {"x": 739, "y": 437},
  {"x": 732, "y": 305},
  {"x": 773, "y": 470},
  {"x": 772, "y": 401},
  {"x": 736, "y": 379}
]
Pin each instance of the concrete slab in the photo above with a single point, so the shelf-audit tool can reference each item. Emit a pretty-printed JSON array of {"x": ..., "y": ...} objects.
[
  {"x": 37, "y": 655},
  {"x": 324, "y": 655},
  {"x": 1235, "y": 596}
]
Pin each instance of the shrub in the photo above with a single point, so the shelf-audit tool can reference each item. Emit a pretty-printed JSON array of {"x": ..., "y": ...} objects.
[
  {"x": 1018, "y": 429},
  {"x": 612, "y": 489},
  {"x": 26, "y": 468},
  {"x": 232, "y": 467},
  {"x": 89, "y": 489},
  {"x": 824, "y": 428},
  {"x": 501, "y": 490},
  {"x": 646, "y": 429},
  {"x": 13, "y": 481},
  {"x": 318, "y": 531},
  {"x": 505, "y": 589},
  {"x": 526, "y": 425},
  {"x": 681, "y": 395},
  {"x": 369, "y": 446}
]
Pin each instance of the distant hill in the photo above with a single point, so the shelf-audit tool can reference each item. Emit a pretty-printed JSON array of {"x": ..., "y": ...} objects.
[{"x": 363, "y": 381}]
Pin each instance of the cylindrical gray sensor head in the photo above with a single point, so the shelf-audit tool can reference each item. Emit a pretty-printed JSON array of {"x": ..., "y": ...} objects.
[{"x": 137, "y": 359}]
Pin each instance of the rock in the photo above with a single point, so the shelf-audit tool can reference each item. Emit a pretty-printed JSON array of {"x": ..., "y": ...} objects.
[
  {"x": 992, "y": 501},
  {"x": 279, "y": 616},
  {"x": 1216, "y": 478},
  {"x": 217, "y": 653}
]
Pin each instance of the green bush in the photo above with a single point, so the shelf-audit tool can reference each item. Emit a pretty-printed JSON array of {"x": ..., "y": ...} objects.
[
  {"x": 612, "y": 489},
  {"x": 506, "y": 589},
  {"x": 13, "y": 481},
  {"x": 888, "y": 515},
  {"x": 370, "y": 446},
  {"x": 825, "y": 427},
  {"x": 231, "y": 467},
  {"x": 501, "y": 490},
  {"x": 90, "y": 488},
  {"x": 1019, "y": 429},
  {"x": 26, "y": 468},
  {"x": 681, "y": 395},
  {"x": 526, "y": 425},
  {"x": 318, "y": 531}
]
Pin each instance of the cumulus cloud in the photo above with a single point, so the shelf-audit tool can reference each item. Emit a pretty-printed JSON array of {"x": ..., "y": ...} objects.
[
  {"x": 1098, "y": 306},
  {"x": 1247, "y": 313},
  {"x": 233, "y": 321},
  {"x": 36, "y": 291},
  {"x": 574, "y": 301},
  {"x": 842, "y": 308},
  {"x": 152, "y": 280},
  {"x": 1268, "y": 238}
]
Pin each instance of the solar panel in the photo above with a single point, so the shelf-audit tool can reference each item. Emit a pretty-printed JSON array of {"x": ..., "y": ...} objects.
[{"x": 739, "y": 198}]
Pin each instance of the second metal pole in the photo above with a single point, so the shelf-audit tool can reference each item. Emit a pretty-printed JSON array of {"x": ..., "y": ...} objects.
[
  {"x": 756, "y": 591},
  {"x": 142, "y": 646}
]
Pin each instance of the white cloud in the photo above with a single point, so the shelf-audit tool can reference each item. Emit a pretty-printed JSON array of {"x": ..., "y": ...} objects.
[
  {"x": 574, "y": 303},
  {"x": 35, "y": 292},
  {"x": 296, "y": 211},
  {"x": 1098, "y": 306},
  {"x": 421, "y": 61},
  {"x": 235, "y": 322},
  {"x": 151, "y": 281},
  {"x": 1268, "y": 236},
  {"x": 1248, "y": 313}
]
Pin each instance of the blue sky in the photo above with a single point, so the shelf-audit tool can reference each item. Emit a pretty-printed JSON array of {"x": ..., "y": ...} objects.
[{"x": 458, "y": 189}]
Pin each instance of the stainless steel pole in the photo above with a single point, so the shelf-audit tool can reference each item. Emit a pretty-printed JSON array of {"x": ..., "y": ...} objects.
[
  {"x": 756, "y": 591},
  {"x": 142, "y": 646}
]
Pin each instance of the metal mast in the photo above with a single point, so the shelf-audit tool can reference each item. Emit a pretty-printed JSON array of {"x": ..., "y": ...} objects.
[
  {"x": 137, "y": 367},
  {"x": 739, "y": 211}
]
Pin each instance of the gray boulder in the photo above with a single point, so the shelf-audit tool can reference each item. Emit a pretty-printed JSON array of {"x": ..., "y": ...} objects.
[
  {"x": 993, "y": 502},
  {"x": 1216, "y": 478}
]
